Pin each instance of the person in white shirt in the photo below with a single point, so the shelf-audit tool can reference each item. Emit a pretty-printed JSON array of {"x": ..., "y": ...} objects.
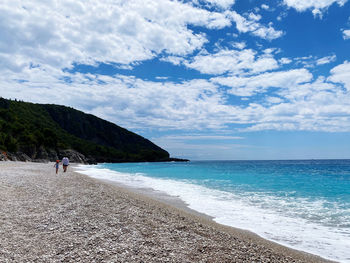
[{"x": 65, "y": 163}]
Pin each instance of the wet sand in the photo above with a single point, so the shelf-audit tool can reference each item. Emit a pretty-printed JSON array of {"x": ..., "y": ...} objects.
[{"x": 70, "y": 217}]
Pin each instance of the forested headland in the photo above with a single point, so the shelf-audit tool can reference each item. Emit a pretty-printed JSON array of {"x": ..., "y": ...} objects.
[{"x": 30, "y": 131}]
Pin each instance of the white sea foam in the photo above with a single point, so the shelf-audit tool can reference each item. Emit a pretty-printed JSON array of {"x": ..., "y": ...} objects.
[{"x": 269, "y": 218}]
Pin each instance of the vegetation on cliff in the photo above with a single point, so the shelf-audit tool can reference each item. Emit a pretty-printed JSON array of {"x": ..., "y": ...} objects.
[{"x": 35, "y": 129}]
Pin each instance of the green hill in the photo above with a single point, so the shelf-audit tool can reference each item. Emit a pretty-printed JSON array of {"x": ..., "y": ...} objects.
[{"x": 46, "y": 131}]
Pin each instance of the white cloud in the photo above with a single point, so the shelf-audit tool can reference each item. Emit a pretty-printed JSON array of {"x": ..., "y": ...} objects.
[
  {"x": 313, "y": 106},
  {"x": 346, "y": 33},
  {"x": 245, "y": 25},
  {"x": 317, "y": 13},
  {"x": 173, "y": 60},
  {"x": 341, "y": 74},
  {"x": 38, "y": 40},
  {"x": 281, "y": 16},
  {"x": 254, "y": 17},
  {"x": 317, "y": 6},
  {"x": 274, "y": 100},
  {"x": 295, "y": 103},
  {"x": 162, "y": 78},
  {"x": 64, "y": 33},
  {"x": 268, "y": 33},
  {"x": 302, "y": 5},
  {"x": 326, "y": 60},
  {"x": 271, "y": 51},
  {"x": 249, "y": 86},
  {"x": 221, "y": 3},
  {"x": 264, "y": 6},
  {"x": 232, "y": 61},
  {"x": 88, "y": 32},
  {"x": 305, "y": 91},
  {"x": 127, "y": 101},
  {"x": 313, "y": 61},
  {"x": 285, "y": 61},
  {"x": 239, "y": 45}
]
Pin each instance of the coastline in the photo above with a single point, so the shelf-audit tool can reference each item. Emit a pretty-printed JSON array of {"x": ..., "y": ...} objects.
[{"x": 73, "y": 217}]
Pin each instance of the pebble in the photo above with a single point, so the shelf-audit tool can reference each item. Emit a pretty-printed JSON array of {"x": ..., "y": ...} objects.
[{"x": 72, "y": 218}]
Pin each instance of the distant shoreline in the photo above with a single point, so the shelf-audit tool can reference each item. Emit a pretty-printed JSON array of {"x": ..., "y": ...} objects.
[{"x": 74, "y": 156}]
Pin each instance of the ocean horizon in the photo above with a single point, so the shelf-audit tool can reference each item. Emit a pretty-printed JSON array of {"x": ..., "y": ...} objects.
[{"x": 302, "y": 204}]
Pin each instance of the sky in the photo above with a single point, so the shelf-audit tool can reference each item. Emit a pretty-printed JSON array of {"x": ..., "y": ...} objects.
[{"x": 204, "y": 79}]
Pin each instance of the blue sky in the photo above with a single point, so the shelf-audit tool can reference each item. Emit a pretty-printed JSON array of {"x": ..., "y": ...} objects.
[{"x": 204, "y": 79}]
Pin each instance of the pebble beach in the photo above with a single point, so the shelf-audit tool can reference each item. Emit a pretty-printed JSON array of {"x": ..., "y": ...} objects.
[{"x": 70, "y": 217}]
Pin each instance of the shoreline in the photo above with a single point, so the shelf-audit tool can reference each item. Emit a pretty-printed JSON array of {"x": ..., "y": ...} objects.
[
  {"x": 172, "y": 202},
  {"x": 60, "y": 210},
  {"x": 161, "y": 197}
]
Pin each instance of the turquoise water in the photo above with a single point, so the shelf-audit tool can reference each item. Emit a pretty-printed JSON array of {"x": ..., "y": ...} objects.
[{"x": 302, "y": 204}]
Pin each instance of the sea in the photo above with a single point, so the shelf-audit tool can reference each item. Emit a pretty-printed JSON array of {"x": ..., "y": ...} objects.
[{"x": 302, "y": 204}]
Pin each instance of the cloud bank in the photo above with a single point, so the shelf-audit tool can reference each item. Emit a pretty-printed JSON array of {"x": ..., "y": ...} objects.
[{"x": 248, "y": 88}]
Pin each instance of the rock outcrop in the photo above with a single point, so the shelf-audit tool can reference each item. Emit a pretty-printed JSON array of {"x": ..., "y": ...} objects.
[
  {"x": 45, "y": 156},
  {"x": 73, "y": 156}
]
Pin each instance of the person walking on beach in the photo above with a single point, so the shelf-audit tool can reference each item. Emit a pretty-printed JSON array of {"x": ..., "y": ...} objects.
[
  {"x": 57, "y": 165},
  {"x": 65, "y": 162}
]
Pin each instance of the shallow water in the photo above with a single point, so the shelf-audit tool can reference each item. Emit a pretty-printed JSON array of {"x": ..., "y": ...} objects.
[{"x": 301, "y": 204}]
